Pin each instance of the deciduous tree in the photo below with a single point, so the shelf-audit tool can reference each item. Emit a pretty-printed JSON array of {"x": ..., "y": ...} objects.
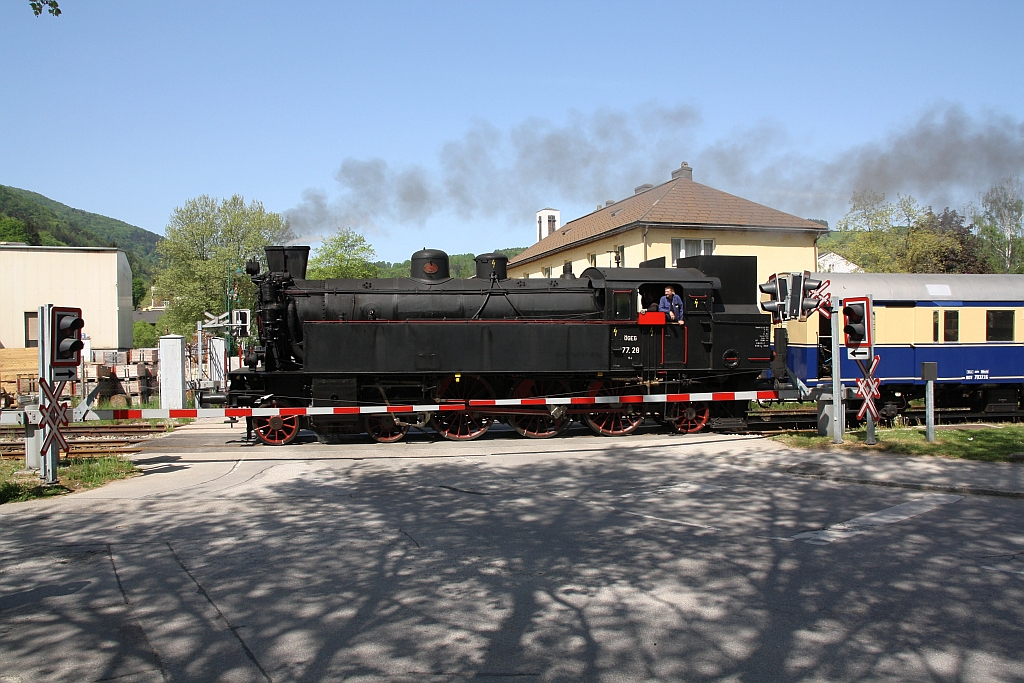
[
  {"x": 50, "y": 6},
  {"x": 13, "y": 230},
  {"x": 206, "y": 245},
  {"x": 891, "y": 237},
  {"x": 345, "y": 254},
  {"x": 1000, "y": 218}
]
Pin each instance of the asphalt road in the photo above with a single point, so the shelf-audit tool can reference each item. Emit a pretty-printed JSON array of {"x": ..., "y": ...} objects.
[{"x": 645, "y": 558}]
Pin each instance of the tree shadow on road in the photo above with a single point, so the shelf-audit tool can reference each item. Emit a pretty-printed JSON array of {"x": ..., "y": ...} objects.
[{"x": 622, "y": 564}]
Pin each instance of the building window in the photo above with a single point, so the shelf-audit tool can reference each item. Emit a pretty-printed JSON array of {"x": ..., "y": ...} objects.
[
  {"x": 540, "y": 228},
  {"x": 545, "y": 271},
  {"x": 620, "y": 251},
  {"x": 951, "y": 326},
  {"x": 699, "y": 247},
  {"x": 592, "y": 260},
  {"x": 935, "y": 326},
  {"x": 552, "y": 226},
  {"x": 683, "y": 248},
  {"x": 31, "y": 330},
  {"x": 999, "y": 326}
]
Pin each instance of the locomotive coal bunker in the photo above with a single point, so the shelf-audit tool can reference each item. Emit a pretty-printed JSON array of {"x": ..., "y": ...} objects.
[{"x": 439, "y": 342}]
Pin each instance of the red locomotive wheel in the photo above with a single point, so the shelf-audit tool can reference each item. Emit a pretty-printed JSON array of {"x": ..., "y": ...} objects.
[
  {"x": 541, "y": 425},
  {"x": 279, "y": 430},
  {"x": 686, "y": 417},
  {"x": 462, "y": 425},
  {"x": 382, "y": 428},
  {"x": 615, "y": 422}
]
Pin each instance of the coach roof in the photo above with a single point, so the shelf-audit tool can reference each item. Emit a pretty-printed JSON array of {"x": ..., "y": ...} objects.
[{"x": 925, "y": 287}]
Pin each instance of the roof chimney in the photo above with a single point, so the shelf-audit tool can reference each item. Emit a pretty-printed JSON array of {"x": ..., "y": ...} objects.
[
  {"x": 684, "y": 171},
  {"x": 642, "y": 188},
  {"x": 609, "y": 202}
]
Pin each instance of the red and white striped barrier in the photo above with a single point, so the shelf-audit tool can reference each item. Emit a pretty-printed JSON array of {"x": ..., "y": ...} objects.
[
  {"x": 17, "y": 417},
  {"x": 639, "y": 398},
  {"x": 454, "y": 406}
]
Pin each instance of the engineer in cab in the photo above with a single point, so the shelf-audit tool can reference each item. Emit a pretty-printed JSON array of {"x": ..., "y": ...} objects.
[{"x": 671, "y": 305}]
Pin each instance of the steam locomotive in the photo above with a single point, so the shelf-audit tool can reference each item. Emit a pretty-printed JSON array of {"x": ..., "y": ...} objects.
[{"x": 457, "y": 350}]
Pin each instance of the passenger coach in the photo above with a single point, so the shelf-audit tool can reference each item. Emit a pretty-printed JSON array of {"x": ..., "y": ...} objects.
[{"x": 971, "y": 325}]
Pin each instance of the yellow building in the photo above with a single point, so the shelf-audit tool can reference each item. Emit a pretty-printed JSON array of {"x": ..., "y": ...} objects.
[{"x": 673, "y": 220}]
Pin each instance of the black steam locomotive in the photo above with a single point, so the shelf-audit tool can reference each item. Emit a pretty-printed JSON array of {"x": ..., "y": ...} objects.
[{"x": 457, "y": 349}]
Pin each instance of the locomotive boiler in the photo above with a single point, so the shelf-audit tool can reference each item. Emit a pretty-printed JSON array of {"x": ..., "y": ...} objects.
[{"x": 529, "y": 352}]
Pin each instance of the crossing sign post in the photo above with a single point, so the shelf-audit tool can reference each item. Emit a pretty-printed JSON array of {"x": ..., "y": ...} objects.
[
  {"x": 868, "y": 389},
  {"x": 60, "y": 345}
]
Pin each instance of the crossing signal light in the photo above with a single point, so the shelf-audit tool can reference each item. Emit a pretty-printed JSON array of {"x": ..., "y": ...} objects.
[
  {"x": 777, "y": 288},
  {"x": 66, "y": 337},
  {"x": 807, "y": 304},
  {"x": 857, "y": 323}
]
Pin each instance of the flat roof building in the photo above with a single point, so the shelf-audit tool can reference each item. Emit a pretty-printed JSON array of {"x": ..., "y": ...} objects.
[{"x": 97, "y": 280}]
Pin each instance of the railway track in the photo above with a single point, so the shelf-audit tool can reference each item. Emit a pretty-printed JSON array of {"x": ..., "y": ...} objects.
[
  {"x": 85, "y": 439},
  {"x": 16, "y": 449},
  {"x": 86, "y": 430}
]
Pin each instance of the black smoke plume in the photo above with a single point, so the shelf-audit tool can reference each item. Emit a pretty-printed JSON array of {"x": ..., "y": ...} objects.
[{"x": 944, "y": 157}]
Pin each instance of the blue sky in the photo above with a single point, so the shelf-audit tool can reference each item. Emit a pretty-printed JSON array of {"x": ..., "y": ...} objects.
[{"x": 448, "y": 124}]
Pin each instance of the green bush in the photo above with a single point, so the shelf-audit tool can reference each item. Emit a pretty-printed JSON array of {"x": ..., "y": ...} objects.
[{"x": 143, "y": 335}]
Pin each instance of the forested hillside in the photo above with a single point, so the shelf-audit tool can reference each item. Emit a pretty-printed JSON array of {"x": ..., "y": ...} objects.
[{"x": 30, "y": 217}]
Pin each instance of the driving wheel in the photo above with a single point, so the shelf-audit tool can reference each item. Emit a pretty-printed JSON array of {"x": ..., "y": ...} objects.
[
  {"x": 616, "y": 419},
  {"x": 540, "y": 425},
  {"x": 462, "y": 425},
  {"x": 276, "y": 430},
  {"x": 686, "y": 417},
  {"x": 383, "y": 428}
]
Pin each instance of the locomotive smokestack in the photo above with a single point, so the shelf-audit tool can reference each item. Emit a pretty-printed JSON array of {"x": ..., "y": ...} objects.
[{"x": 291, "y": 260}]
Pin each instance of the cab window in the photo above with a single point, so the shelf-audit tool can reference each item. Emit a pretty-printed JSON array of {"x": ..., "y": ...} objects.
[{"x": 621, "y": 304}]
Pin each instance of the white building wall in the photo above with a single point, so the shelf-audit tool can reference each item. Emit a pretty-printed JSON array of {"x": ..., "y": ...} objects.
[
  {"x": 97, "y": 280},
  {"x": 547, "y": 221}
]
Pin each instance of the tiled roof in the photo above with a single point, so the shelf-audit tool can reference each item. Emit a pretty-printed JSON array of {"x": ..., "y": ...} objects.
[{"x": 678, "y": 203}]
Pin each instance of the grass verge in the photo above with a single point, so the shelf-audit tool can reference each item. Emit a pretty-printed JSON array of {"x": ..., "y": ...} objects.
[
  {"x": 73, "y": 474},
  {"x": 1003, "y": 443}
]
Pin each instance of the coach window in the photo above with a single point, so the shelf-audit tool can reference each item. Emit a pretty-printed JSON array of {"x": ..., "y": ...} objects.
[
  {"x": 999, "y": 326},
  {"x": 31, "y": 330},
  {"x": 951, "y": 326},
  {"x": 935, "y": 326},
  {"x": 621, "y": 303}
]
